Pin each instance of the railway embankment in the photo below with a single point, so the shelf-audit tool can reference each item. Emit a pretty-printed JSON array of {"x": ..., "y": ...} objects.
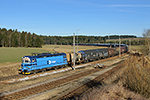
[
  {"x": 20, "y": 84},
  {"x": 132, "y": 82}
]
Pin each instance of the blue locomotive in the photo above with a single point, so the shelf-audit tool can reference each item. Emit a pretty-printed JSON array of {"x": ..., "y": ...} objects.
[{"x": 42, "y": 61}]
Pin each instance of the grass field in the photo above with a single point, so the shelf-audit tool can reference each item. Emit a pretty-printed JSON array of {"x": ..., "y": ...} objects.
[
  {"x": 125, "y": 39},
  {"x": 137, "y": 47},
  {"x": 140, "y": 48},
  {"x": 67, "y": 48},
  {"x": 12, "y": 55}
]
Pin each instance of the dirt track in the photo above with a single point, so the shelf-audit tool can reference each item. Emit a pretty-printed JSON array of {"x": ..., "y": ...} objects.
[{"x": 47, "y": 86}]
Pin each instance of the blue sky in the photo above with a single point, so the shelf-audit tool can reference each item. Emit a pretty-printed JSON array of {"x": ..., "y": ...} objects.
[{"x": 64, "y": 17}]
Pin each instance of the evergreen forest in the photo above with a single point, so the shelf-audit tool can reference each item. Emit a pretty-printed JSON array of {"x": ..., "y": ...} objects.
[{"x": 14, "y": 38}]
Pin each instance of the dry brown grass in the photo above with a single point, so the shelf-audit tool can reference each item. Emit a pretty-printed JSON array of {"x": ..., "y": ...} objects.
[
  {"x": 130, "y": 83},
  {"x": 111, "y": 92},
  {"x": 9, "y": 70},
  {"x": 137, "y": 77},
  {"x": 67, "y": 48}
]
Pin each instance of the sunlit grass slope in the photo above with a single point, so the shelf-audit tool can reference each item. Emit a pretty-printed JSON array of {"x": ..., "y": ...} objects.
[
  {"x": 68, "y": 48},
  {"x": 11, "y": 55}
]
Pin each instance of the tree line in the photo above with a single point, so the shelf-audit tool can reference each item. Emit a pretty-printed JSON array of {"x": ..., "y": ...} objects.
[
  {"x": 14, "y": 38},
  {"x": 68, "y": 40},
  {"x": 121, "y": 36}
]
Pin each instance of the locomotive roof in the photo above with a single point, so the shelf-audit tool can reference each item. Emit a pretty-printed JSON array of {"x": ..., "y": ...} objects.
[{"x": 39, "y": 55}]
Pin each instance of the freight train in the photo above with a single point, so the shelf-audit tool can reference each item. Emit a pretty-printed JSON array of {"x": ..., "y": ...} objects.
[{"x": 45, "y": 61}]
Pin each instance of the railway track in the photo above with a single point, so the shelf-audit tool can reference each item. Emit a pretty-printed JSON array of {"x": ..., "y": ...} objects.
[
  {"x": 10, "y": 79},
  {"x": 47, "y": 86},
  {"x": 81, "y": 90}
]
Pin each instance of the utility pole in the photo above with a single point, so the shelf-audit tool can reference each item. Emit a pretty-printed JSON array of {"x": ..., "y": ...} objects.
[
  {"x": 73, "y": 51},
  {"x": 119, "y": 48},
  {"x": 77, "y": 40},
  {"x": 130, "y": 45},
  {"x": 149, "y": 44},
  {"x": 109, "y": 38}
]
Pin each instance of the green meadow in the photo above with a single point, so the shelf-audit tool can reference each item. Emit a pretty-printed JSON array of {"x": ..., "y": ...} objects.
[
  {"x": 13, "y": 55},
  {"x": 137, "y": 47}
]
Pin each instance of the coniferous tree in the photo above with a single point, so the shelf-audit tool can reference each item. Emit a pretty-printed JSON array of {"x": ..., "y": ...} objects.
[
  {"x": 19, "y": 39},
  {"x": 23, "y": 39},
  {"x": 13, "y": 38},
  {"x": 29, "y": 39}
]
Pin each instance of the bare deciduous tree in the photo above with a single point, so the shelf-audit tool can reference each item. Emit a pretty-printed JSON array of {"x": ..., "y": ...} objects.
[{"x": 146, "y": 35}]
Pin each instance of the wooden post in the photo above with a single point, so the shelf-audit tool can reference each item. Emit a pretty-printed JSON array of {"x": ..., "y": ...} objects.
[{"x": 119, "y": 48}]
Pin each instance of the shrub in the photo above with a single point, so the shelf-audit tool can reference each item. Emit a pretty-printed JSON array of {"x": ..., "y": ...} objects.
[{"x": 136, "y": 76}]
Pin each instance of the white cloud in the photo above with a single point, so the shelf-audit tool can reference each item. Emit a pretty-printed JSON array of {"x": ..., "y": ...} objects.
[
  {"x": 94, "y": 4},
  {"x": 126, "y": 5}
]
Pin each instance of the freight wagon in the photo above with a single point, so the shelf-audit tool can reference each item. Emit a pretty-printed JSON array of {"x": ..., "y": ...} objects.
[{"x": 43, "y": 61}]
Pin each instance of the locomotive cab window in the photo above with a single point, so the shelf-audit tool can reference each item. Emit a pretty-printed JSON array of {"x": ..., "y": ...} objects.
[{"x": 26, "y": 60}]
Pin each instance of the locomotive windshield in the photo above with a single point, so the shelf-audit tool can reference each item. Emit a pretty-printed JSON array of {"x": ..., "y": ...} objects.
[{"x": 26, "y": 60}]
